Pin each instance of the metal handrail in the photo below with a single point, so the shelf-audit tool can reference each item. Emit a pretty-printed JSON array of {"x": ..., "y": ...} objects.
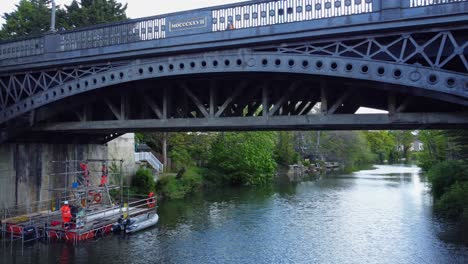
[{"x": 150, "y": 158}]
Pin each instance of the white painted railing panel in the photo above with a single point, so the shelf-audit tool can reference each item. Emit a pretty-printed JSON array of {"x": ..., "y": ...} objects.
[
  {"x": 418, "y": 3},
  {"x": 286, "y": 11}
]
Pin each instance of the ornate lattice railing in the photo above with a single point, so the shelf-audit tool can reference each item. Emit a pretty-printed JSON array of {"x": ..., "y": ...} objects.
[
  {"x": 23, "y": 48},
  {"x": 278, "y": 12},
  {"x": 131, "y": 31}
]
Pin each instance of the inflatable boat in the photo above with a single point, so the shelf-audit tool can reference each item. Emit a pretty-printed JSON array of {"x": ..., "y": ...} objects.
[{"x": 136, "y": 223}]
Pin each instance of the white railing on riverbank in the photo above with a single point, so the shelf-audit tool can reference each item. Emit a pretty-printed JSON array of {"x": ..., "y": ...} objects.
[{"x": 151, "y": 159}]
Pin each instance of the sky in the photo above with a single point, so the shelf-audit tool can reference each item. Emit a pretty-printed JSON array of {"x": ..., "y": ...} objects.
[{"x": 139, "y": 8}]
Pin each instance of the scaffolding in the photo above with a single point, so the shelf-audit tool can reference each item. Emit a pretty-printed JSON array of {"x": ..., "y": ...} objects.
[{"x": 95, "y": 191}]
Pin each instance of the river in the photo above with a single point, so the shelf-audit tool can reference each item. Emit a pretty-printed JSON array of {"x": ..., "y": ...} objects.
[{"x": 373, "y": 216}]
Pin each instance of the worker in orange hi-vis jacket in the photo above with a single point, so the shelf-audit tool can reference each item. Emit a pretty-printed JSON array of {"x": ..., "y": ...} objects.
[{"x": 66, "y": 213}]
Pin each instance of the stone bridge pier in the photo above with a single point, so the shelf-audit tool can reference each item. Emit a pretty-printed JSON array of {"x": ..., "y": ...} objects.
[{"x": 28, "y": 171}]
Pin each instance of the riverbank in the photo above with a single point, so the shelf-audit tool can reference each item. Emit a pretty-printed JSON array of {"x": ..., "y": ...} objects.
[
  {"x": 177, "y": 186},
  {"x": 449, "y": 185},
  {"x": 174, "y": 186}
]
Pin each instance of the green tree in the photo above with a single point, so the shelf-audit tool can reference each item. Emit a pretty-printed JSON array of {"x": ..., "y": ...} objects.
[
  {"x": 403, "y": 140},
  {"x": 31, "y": 17},
  {"x": 347, "y": 147},
  {"x": 184, "y": 149},
  {"x": 457, "y": 144},
  {"x": 93, "y": 12},
  {"x": 350, "y": 148},
  {"x": 381, "y": 143},
  {"x": 244, "y": 158},
  {"x": 454, "y": 202},
  {"x": 435, "y": 148},
  {"x": 143, "y": 181},
  {"x": 444, "y": 174},
  {"x": 284, "y": 152},
  {"x": 445, "y": 159}
]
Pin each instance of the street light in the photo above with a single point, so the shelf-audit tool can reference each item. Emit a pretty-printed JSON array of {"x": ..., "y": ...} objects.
[{"x": 52, "y": 19}]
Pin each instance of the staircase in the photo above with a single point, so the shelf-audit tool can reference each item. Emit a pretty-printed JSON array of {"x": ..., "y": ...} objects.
[{"x": 151, "y": 159}]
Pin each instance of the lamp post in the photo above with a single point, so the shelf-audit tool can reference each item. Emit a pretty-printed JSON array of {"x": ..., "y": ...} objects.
[{"x": 52, "y": 19}]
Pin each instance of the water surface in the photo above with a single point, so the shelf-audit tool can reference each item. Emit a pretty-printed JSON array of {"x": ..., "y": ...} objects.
[{"x": 372, "y": 216}]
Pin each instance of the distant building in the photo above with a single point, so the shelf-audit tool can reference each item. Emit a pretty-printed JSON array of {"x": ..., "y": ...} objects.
[{"x": 416, "y": 146}]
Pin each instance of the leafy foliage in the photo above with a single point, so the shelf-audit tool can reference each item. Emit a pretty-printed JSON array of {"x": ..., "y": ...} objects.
[
  {"x": 454, "y": 203},
  {"x": 143, "y": 181},
  {"x": 93, "y": 12},
  {"x": 244, "y": 158},
  {"x": 445, "y": 158},
  {"x": 403, "y": 140},
  {"x": 435, "y": 148},
  {"x": 173, "y": 188},
  {"x": 381, "y": 143},
  {"x": 350, "y": 148},
  {"x": 32, "y": 17},
  {"x": 444, "y": 174},
  {"x": 284, "y": 152}
]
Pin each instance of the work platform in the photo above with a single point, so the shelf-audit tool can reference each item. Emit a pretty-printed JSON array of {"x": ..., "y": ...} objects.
[{"x": 95, "y": 206}]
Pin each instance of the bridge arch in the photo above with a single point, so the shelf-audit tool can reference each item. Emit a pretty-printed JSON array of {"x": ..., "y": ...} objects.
[{"x": 436, "y": 83}]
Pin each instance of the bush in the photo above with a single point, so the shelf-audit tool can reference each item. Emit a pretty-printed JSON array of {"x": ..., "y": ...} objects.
[
  {"x": 172, "y": 188},
  {"x": 180, "y": 158},
  {"x": 192, "y": 179},
  {"x": 454, "y": 203},
  {"x": 444, "y": 174},
  {"x": 243, "y": 158},
  {"x": 143, "y": 181}
]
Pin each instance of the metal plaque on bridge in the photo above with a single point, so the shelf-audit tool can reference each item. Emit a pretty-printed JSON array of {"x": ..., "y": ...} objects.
[{"x": 189, "y": 23}]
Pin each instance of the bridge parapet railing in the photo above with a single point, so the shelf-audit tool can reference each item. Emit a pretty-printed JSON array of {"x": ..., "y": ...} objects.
[
  {"x": 419, "y": 3},
  {"x": 220, "y": 18},
  {"x": 22, "y": 48},
  {"x": 109, "y": 35},
  {"x": 279, "y": 12}
]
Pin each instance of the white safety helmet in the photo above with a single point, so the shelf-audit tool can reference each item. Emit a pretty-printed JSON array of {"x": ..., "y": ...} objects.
[{"x": 66, "y": 202}]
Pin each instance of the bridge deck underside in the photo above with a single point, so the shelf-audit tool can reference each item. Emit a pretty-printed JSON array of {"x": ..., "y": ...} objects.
[{"x": 254, "y": 101}]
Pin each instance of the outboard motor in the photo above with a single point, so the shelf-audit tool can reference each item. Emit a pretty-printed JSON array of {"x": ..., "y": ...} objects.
[
  {"x": 29, "y": 233},
  {"x": 119, "y": 226}
]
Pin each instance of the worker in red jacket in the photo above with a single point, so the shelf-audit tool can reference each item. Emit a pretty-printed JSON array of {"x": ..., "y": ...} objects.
[
  {"x": 66, "y": 214},
  {"x": 105, "y": 172}
]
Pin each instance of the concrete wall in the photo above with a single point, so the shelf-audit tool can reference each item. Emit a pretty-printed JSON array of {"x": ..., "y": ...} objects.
[
  {"x": 27, "y": 171},
  {"x": 123, "y": 148},
  {"x": 7, "y": 176}
]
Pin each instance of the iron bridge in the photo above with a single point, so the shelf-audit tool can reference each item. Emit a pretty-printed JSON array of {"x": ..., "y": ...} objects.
[{"x": 255, "y": 65}]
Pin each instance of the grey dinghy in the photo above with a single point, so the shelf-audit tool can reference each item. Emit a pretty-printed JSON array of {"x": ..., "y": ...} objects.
[
  {"x": 141, "y": 222},
  {"x": 136, "y": 223}
]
